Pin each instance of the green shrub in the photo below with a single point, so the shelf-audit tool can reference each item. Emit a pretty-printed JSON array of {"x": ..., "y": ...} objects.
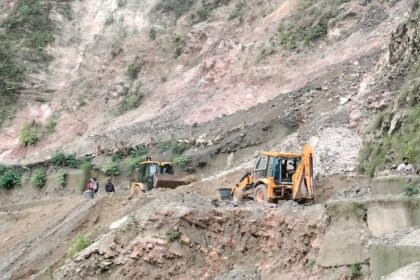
[
  {"x": 164, "y": 146},
  {"x": 309, "y": 23},
  {"x": 60, "y": 159},
  {"x": 179, "y": 148},
  {"x": 39, "y": 178},
  {"x": 61, "y": 179},
  {"x": 29, "y": 134},
  {"x": 135, "y": 67},
  {"x": 355, "y": 270},
  {"x": 133, "y": 101},
  {"x": 79, "y": 243},
  {"x": 141, "y": 151},
  {"x": 50, "y": 126},
  {"x": 111, "y": 169},
  {"x": 178, "y": 45},
  {"x": 116, "y": 157},
  {"x": 181, "y": 160},
  {"x": 174, "y": 7},
  {"x": 135, "y": 163},
  {"x": 200, "y": 15},
  {"x": 9, "y": 178},
  {"x": 172, "y": 235},
  {"x": 411, "y": 190}
]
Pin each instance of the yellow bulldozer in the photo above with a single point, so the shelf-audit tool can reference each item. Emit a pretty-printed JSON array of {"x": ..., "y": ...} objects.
[
  {"x": 157, "y": 174},
  {"x": 278, "y": 176}
]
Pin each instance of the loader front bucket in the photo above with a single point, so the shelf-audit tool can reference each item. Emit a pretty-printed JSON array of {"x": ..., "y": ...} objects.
[{"x": 169, "y": 181}]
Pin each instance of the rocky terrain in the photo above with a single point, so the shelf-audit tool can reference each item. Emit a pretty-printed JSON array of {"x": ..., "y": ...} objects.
[{"x": 89, "y": 88}]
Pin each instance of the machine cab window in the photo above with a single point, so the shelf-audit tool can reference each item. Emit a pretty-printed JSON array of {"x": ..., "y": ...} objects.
[{"x": 261, "y": 163}]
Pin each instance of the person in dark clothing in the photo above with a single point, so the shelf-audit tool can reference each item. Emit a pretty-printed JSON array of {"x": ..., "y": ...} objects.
[
  {"x": 109, "y": 187},
  {"x": 95, "y": 187}
]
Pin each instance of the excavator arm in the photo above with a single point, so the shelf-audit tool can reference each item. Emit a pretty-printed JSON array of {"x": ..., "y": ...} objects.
[
  {"x": 245, "y": 181},
  {"x": 303, "y": 177}
]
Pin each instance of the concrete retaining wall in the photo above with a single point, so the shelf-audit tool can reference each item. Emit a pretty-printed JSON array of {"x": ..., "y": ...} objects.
[
  {"x": 385, "y": 217},
  {"x": 392, "y": 184},
  {"x": 385, "y": 259}
]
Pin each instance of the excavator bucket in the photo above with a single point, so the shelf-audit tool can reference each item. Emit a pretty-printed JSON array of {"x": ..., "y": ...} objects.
[{"x": 169, "y": 181}]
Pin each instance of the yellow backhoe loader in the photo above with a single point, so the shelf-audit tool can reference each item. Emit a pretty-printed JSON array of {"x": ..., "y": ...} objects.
[
  {"x": 157, "y": 174},
  {"x": 278, "y": 176}
]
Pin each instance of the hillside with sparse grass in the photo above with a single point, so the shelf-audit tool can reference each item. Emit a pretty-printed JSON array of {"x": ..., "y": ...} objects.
[{"x": 217, "y": 76}]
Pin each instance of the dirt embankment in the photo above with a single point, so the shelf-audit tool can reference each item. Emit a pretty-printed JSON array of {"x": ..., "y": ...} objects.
[
  {"x": 35, "y": 237},
  {"x": 183, "y": 236}
]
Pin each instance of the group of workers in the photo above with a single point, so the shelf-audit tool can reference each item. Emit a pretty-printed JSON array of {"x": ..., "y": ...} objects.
[{"x": 92, "y": 188}]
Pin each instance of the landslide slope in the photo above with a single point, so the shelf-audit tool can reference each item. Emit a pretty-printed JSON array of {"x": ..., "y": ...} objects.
[{"x": 126, "y": 71}]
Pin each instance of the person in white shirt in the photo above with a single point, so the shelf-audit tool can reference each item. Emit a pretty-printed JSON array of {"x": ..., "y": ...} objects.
[{"x": 405, "y": 167}]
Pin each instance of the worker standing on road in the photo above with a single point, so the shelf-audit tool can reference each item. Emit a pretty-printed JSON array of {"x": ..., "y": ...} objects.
[
  {"x": 95, "y": 187},
  {"x": 109, "y": 188},
  {"x": 405, "y": 167},
  {"x": 89, "y": 190}
]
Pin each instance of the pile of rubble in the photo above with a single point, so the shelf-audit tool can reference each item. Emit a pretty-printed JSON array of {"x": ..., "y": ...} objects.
[{"x": 184, "y": 235}]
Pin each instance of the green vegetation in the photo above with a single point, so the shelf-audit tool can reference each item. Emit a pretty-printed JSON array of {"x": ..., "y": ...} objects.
[
  {"x": 135, "y": 163},
  {"x": 355, "y": 270},
  {"x": 164, "y": 146},
  {"x": 39, "y": 178},
  {"x": 133, "y": 101},
  {"x": 172, "y": 235},
  {"x": 181, "y": 160},
  {"x": 176, "y": 8},
  {"x": 116, "y": 157},
  {"x": 111, "y": 169},
  {"x": 60, "y": 159},
  {"x": 385, "y": 147},
  {"x": 61, "y": 179},
  {"x": 9, "y": 178},
  {"x": 79, "y": 243},
  {"x": 29, "y": 134},
  {"x": 239, "y": 10},
  {"x": 308, "y": 23},
  {"x": 179, "y": 148},
  {"x": 141, "y": 151},
  {"x": 178, "y": 45},
  {"x": 411, "y": 190},
  {"x": 50, "y": 126},
  {"x": 201, "y": 15},
  {"x": 33, "y": 132},
  {"x": 135, "y": 67},
  {"x": 24, "y": 35}
]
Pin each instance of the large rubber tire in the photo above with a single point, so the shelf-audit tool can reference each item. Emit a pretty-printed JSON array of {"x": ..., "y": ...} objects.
[{"x": 260, "y": 193}]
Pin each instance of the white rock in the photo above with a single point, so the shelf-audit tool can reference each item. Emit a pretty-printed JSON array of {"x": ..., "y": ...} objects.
[{"x": 118, "y": 223}]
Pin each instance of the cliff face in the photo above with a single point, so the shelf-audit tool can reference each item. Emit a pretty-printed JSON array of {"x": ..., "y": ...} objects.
[{"x": 395, "y": 132}]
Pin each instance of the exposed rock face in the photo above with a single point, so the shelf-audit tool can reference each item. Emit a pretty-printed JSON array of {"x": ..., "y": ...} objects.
[{"x": 185, "y": 236}]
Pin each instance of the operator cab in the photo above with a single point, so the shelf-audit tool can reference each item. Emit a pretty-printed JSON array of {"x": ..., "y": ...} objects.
[
  {"x": 280, "y": 168},
  {"x": 149, "y": 168}
]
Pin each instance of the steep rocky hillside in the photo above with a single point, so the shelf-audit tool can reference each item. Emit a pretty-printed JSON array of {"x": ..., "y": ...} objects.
[
  {"x": 100, "y": 72},
  {"x": 394, "y": 133}
]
